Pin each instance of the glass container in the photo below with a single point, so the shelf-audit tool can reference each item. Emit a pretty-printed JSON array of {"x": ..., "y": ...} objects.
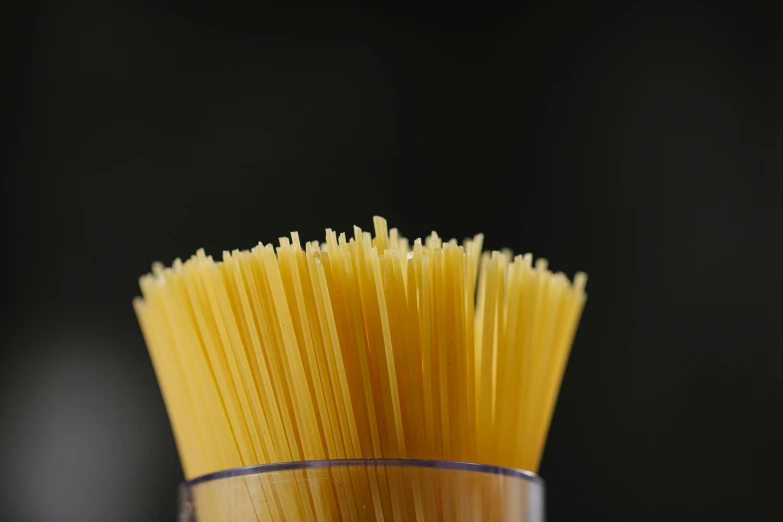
[{"x": 390, "y": 490}]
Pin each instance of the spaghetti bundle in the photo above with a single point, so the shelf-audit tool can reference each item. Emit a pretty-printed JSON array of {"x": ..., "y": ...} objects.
[{"x": 358, "y": 347}]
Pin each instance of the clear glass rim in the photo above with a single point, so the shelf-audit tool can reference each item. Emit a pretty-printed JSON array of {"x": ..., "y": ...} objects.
[{"x": 330, "y": 463}]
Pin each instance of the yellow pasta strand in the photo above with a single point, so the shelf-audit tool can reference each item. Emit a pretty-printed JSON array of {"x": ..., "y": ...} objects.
[{"x": 366, "y": 346}]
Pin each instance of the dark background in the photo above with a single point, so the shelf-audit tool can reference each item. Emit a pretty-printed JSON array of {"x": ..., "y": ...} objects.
[{"x": 641, "y": 146}]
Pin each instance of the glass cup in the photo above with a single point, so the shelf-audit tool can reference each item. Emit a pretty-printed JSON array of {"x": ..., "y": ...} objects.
[{"x": 389, "y": 490}]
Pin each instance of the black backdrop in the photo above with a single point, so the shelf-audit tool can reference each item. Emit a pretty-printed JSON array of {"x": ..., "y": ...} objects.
[{"x": 641, "y": 146}]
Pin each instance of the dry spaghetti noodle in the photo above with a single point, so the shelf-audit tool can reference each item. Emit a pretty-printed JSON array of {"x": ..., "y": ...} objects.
[{"x": 360, "y": 347}]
